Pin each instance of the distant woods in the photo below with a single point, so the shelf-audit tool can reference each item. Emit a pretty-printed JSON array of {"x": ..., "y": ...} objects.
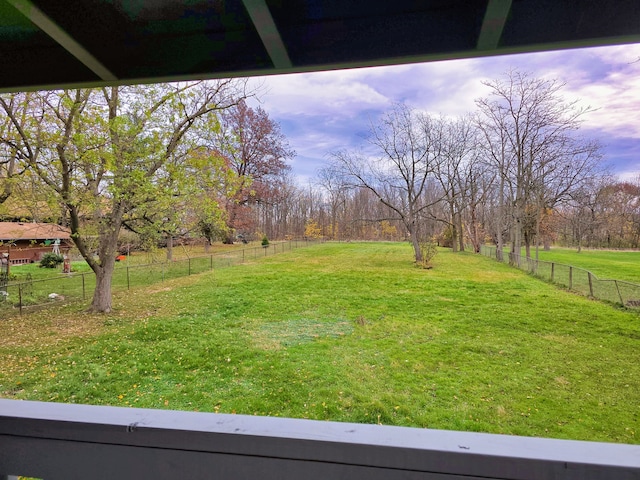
[
  {"x": 155, "y": 164},
  {"x": 514, "y": 173}
]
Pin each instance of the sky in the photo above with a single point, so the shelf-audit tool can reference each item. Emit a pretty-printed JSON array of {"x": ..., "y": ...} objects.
[{"x": 324, "y": 112}]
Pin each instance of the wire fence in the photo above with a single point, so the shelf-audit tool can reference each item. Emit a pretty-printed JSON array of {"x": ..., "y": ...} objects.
[
  {"x": 573, "y": 278},
  {"x": 76, "y": 287}
]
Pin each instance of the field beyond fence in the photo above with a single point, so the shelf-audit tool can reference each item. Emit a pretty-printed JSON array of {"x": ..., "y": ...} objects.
[
  {"x": 20, "y": 297},
  {"x": 576, "y": 279}
]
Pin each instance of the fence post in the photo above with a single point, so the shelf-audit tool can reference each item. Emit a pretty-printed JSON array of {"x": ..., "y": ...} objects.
[
  {"x": 243, "y": 255},
  {"x": 210, "y": 262},
  {"x": 20, "y": 297},
  {"x": 553, "y": 268},
  {"x": 189, "y": 259},
  {"x": 570, "y": 277},
  {"x": 619, "y": 294},
  {"x": 590, "y": 284},
  {"x": 84, "y": 290},
  {"x": 128, "y": 279}
]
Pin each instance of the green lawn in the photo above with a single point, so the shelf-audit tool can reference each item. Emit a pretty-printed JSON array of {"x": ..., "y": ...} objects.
[
  {"x": 32, "y": 271},
  {"x": 346, "y": 332},
  {"x": 609, "y": 264}
]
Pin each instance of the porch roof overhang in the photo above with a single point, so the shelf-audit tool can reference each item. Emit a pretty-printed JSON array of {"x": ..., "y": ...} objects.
[{"x": 71, "y": 43}]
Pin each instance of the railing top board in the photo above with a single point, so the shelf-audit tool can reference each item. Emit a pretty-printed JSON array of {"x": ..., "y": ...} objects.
[{"x": 295, "y": 440}]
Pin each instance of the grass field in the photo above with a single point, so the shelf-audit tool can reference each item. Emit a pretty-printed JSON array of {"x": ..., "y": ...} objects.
[
  {"x": 609, "y": 264},
  {"x": 346, "y": 332},
  {"x": 20, "y": 273}
]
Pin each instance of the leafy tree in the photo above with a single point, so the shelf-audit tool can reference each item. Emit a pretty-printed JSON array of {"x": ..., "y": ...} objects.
[
  {"x": 256, "y": 150},
  {"x": 312, "y": 230},
  {"x": 107, "y": 153}
]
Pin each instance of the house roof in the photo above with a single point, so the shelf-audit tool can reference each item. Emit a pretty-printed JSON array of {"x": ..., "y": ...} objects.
[
  {"x": 32, "y": 231},
  {"x": 67, "y": 43}
]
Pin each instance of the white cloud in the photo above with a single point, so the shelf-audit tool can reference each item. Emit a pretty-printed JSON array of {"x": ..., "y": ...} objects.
[
  {"x": 340, "y": 93},
  {"x": 326, "y": 111}
]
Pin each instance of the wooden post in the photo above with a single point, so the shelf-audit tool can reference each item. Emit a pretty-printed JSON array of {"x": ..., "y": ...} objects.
[
  {"x": 553, "y": 268},
  {"x": 570, "y": 277},
  {"x": 619, "y": 294},
  {"x": 84, "y": 290},
  {"x": 20, "y": 297},
  {"x": 189, "y": 265},
  {"x": 128, "y": 279},
  {"x": 590, "y": 284}
]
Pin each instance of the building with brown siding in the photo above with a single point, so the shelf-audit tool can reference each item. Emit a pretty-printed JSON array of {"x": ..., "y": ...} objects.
[{"x": 28, "y": 242}]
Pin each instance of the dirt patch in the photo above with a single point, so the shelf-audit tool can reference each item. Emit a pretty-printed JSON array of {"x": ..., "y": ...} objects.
[{"x": 277, "y": 335}]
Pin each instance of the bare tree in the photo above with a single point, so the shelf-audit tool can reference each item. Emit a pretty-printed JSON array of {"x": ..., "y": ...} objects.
[
  {"x": 335, "y": 187},
  {"x": 528, "y": 128},
  {"x": 406, "y": 149},
  {"x": 455, "y": 172}
]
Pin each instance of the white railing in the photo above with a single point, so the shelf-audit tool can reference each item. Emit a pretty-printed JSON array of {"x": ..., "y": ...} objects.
[{"x": 63, "y": 441}]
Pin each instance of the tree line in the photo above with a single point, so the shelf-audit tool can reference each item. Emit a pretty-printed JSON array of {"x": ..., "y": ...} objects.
[
  {"x": 193, "y": 160},
  {"x": 514, "y": 173}
]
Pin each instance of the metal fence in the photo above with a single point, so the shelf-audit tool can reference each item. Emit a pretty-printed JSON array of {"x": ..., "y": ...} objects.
[
  {"x": 25, "y": 296},
  {"x": 573, "y": 278}
]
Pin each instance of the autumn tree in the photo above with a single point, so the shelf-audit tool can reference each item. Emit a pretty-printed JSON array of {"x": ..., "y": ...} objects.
[
  {"x": 257, "y": 151},
  {"x": 106, "y": 153}
]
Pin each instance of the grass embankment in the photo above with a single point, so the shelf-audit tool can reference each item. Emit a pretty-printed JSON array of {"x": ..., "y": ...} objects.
[
  {"x": 605, "y": 264},
  {"x": 347, "y": 332}
]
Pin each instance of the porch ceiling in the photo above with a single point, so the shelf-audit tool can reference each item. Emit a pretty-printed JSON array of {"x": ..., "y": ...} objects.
[{"x": 65, "y": 43}]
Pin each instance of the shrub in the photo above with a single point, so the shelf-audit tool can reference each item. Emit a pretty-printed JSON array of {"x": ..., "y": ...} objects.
[
  {"x": 429, "y": 249},
  {"x": 51, "y": 260},
  {"x": 265, "y": 241}
]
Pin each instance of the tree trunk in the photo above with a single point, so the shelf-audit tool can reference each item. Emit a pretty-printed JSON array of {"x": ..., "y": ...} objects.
[
  {"x": 461, "y": 232},
  {"x": 527, "y": 244},
  {"x": 499, "y": 225},
  {"x": 169, "y": 248},
  {"x": 454, "y": 230},
  {"x": 415, "y": 241},
  {"x": 102, "y": 294},
  {"x": 537, "y": 237},
  {"x": 516, "y": 244}
]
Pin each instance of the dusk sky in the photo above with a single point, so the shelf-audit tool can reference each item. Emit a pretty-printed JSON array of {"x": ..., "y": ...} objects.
[{"x": 327, "y": 111}]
